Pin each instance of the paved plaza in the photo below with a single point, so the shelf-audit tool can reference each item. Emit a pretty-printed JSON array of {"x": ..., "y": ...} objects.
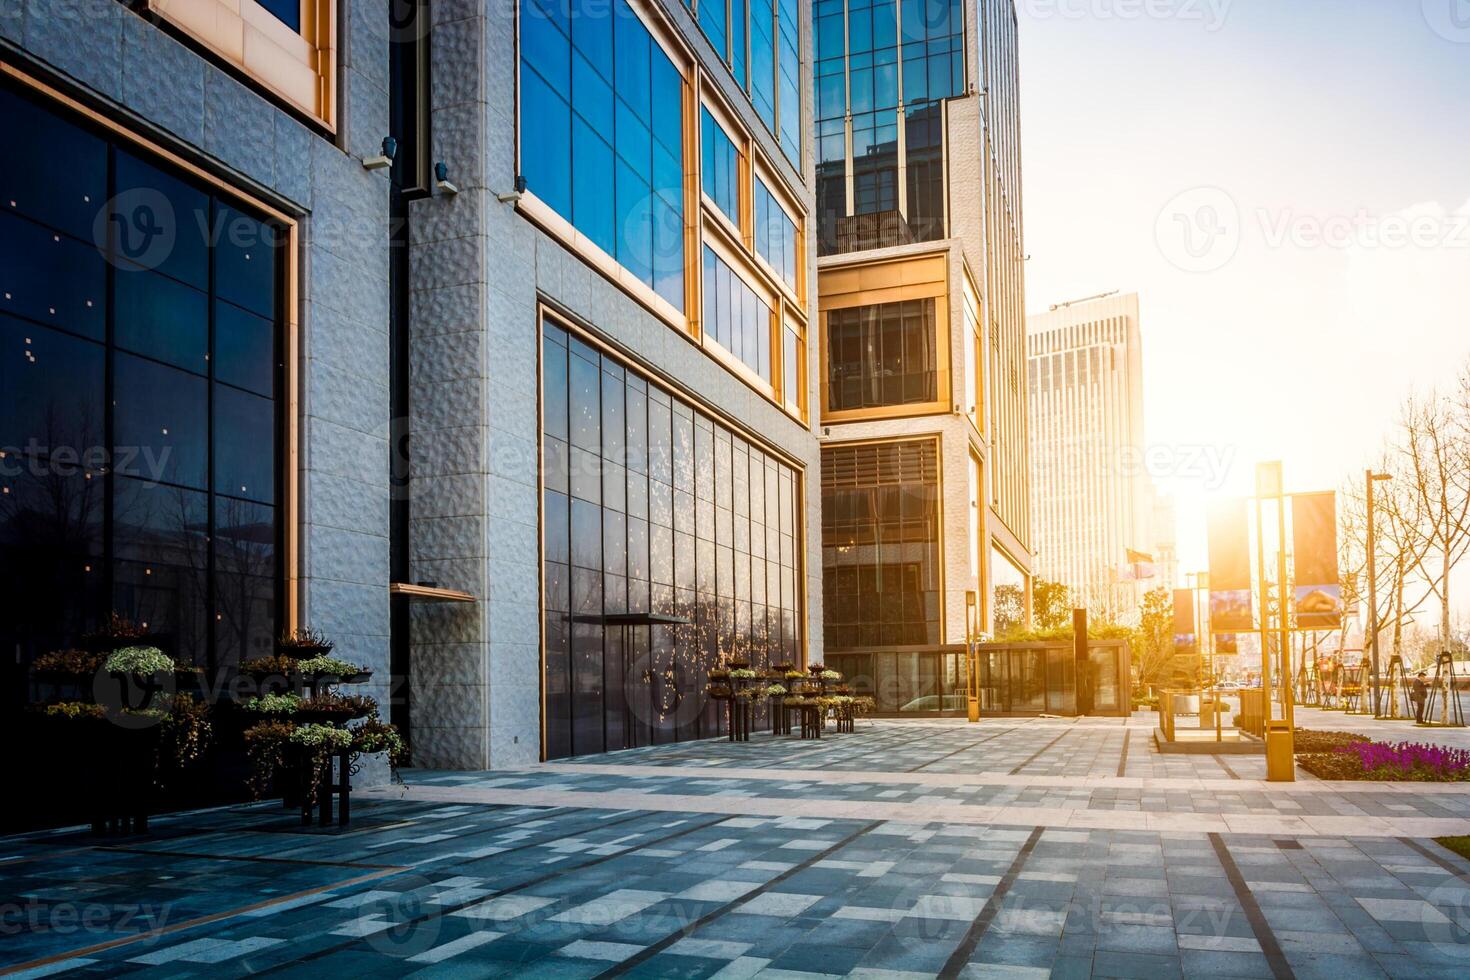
[{"x": 1011, "y": 848}]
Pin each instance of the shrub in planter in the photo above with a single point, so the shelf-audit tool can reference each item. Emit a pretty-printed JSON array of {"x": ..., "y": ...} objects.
[
  {"x": 775, "y": 691},
  {"x": 274, "y": 666},
  {"x": 328, "y": 667},
  {"x": 118, "y": 631},
  {"x": 69, "y": 663},
  {"x": 794, "y": 675},
  {"x": 265, "y": 748},
  {"x": 304, "y": 643},
  {"x": 337, "y": 708},
  {"x": 742, "y": 673},
  {"x": 274, "y": 704},
  {"x": 74, "y": 711},
  {"x": 1307, "y": 741},
  {"x": 719, "y": 673},
  {"x": 830, "y": 675},
  {"x": 140, "y": 660},
  {"x": 374, "y": 736}
]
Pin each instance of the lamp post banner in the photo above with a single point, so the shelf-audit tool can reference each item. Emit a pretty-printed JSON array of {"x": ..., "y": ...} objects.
[
  {"x": 1231, "y": 607},
  {"x": 1318, "y": 590}
]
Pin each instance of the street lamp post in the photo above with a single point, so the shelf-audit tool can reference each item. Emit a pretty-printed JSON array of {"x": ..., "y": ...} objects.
[{"x": 1373, "y": 478}]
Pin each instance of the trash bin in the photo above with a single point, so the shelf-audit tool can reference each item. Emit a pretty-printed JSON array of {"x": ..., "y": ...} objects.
[
  {"x": 1186, "y": 704},
  {"x": 1253, "y": 711}
]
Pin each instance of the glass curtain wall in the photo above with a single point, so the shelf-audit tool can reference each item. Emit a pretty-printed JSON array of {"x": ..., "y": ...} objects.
[
  {"x": 140, "y": 424},
  {"x": 652, "y": 507},
  {"x": 602, "y": 110},
  {"x": 884, "y": 63},
  {"x": 882, "y": 355},
  {"x": 880, "y": 544},
  {"x": 772, "y": 29}
]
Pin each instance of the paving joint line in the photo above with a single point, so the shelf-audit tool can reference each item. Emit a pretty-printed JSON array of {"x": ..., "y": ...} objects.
[
  {"x": 1123, "y": 759},
  {"x": 957, "y": 751},
  {"x": 1275, "y": 958},
  {"x": 1039, "y": 752},
  {"x": 1438, "y": 859},
  {"x": 960, "y": 958},
  {"x": 448, "y": 910},
  {"x": 647, "y": 953}
]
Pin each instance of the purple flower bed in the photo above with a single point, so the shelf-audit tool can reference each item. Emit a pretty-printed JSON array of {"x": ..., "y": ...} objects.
[{"x": 1410, "y": 761}]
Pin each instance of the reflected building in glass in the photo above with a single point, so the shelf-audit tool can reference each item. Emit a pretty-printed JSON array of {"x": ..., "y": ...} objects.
[{"x": 921, "y": 324}]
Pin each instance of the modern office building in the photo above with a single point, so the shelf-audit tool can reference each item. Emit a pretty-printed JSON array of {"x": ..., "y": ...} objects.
[
  {"x": 925, "y": 478},
  {"x": 478, "y": 339},
  {"x": 1095, "y": 501}
]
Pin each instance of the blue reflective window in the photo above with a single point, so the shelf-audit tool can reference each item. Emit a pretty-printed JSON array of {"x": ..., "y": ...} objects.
[
  {"x": 735, "y": 317},
  {"x": 161, "y": 422},
  {"x": 763, "y": 60},
  {"x": 720, "y": 166},
  {"x": 789, "y": 79},
  {"x": 738, "y": 22},
  {"x": 52, "y": 385},
  {"x": 162, "y": 319},
  {"x": 712, "y": 17},
  {"x": 775, "y": 234},
  {"x": 244, "y": 445},
  {"x": 546, "y": 157},
  {"x": 592, "y": 190},
  {"x": 63, "y": 181},
  {"x": 244, "y": 349},
  {"x": 602, "y": 132},
  {"x": 51, "y": 278}
]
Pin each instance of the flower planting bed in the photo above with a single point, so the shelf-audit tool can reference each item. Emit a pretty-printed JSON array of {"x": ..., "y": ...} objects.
[{"x": 1385, "y": 762}]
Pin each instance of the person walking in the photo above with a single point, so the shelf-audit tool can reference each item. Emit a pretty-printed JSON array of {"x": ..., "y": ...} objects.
[{"x": 1419, "y": 694}]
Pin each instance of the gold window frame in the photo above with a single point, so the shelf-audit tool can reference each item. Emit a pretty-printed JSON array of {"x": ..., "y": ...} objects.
[
  {"x": 889, "y": 281},
  {"x": 290, "y": 506},
  {"x": 783, "y": 196},
  {"x": 299, "y": 68}
]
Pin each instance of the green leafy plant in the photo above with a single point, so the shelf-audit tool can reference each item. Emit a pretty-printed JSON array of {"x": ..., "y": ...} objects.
[
  {"x": 140, "y": 660},
  {"x": 775, "y": 690},
  {"x": 76, "y": 663},
  {"x": 742, "y": 673},
  {"x": 187, "y": 732},
  {"x": 379, "y": 736},
  {"x": 326, "y": 738},
  {"x": 327, "y": 665},
  {"x": 274, "y": 704},
  {"x": 75, "y": 710},
  {"x": 265, "y": 748},
  {"x": 830, "y": 675},
  {"x": 272, "y": 666},
  {"x": 1307, "y": 741},
  {"x": 339, "y": 707}
]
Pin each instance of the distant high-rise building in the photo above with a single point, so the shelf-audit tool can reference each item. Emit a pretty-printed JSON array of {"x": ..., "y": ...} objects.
[{"x": 1094, "y": 501}]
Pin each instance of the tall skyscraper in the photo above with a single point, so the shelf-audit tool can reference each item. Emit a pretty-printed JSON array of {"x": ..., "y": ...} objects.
[
  {"x": 925, "y": 478},
  {"x": 1094, "y": 498}
]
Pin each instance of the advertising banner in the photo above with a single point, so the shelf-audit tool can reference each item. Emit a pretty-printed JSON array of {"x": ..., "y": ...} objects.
[
  {"x": 1184, "y": 631},
  {"x": 1230, "y": 567},
  {"x": 1318, "y": 590}
]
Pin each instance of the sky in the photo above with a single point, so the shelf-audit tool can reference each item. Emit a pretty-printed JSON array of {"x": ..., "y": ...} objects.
[{"x": 1286, "y": 184}]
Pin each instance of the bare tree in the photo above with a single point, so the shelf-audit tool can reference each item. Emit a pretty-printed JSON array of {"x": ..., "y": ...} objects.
[{"x": 1436, "y": 470}]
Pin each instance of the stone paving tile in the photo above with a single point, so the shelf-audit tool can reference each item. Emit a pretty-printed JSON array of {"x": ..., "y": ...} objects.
[{"x": 433, "y": 889}]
